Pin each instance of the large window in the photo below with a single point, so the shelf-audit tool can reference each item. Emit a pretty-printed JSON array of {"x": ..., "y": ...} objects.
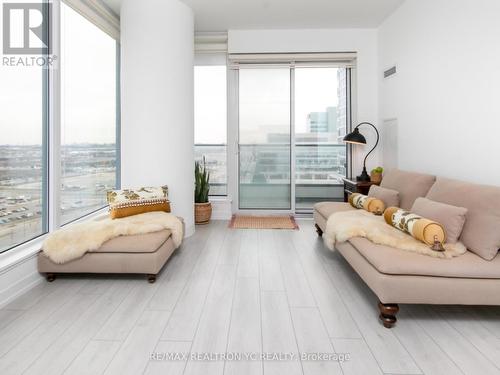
[
  {"x": 210, "y": 123},
  {"x": 22, "y": 155},
  {"x": 88, "y": 115},
  {"x": 77, "y": 144}
]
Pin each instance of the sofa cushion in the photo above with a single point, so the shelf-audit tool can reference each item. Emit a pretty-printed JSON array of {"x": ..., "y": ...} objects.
[
  {"x": 139, "y": 243},
  {"x": 410, "y": 185},
  {"x": 417, "y": 289},
  {"x": 389, "y": 260},
  {"x": 481, "y": 233},
  {"x": 451, "y": 217},
  {"x": 325, "y": 209},
  {"x": 389, "y": 196}
]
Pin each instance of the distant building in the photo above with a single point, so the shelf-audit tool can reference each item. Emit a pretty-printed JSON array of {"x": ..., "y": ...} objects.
[
  {"x": 342, "y": 106},
  {"x": 323, "y": 122},
  {"x": 317, "y": 122}
]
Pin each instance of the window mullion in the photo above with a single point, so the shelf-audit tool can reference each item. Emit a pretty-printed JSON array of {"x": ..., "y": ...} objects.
[
  {"x": 54, "y": 130},
  {"x": 118, "y": 138}
]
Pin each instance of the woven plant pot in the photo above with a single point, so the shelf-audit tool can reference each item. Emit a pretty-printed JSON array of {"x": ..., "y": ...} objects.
[
  {"x": 202, "y": 212},
  {"x": 376, "y": 177}
]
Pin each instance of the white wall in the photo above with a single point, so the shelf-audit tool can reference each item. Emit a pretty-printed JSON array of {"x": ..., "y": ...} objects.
[
  {"x": 157, "y": 99},
  {"x": 362, "y": 41},
  {"x": 18, "y": 277},
  {"x": 446, "y": 92}
]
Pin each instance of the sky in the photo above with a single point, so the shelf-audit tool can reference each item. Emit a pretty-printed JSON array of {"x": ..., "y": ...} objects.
[
  {"x": 264, "y": 100},
  {"x": 210, "y": 97},
  {"x": 88, "y": 77}
]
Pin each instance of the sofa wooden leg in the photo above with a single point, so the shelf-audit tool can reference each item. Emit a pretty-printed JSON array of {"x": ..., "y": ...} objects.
[
  {"x": 151, "y": 278},
  {"x": 50, "y": 277},
  {"x": 318, "y": 230},
  {"x": 388, "y": 313}
]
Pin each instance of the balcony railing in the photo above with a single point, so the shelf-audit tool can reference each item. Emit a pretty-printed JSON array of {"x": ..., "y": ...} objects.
[
  {"x": 319, "y": 169},
  {"x": 215, "y": 159}
]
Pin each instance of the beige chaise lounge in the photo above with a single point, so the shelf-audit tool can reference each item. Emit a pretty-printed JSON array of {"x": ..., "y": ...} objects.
[
  {"x": 397, "y": 276},
  {"x": 141, "y": 254}
]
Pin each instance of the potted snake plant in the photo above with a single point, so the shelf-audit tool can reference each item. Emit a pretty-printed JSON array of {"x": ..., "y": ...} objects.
[{"x": 202, "y": 206}]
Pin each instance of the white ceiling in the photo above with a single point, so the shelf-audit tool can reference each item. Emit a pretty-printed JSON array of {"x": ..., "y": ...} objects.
[{"x": 221, "y": 15}]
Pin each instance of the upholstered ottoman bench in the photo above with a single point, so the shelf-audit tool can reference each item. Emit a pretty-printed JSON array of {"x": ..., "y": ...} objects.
[{"x": 137, "y": 254}]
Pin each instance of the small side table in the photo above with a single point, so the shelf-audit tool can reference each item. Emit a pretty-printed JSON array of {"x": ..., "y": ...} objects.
[{"x": 353, "y": 186}]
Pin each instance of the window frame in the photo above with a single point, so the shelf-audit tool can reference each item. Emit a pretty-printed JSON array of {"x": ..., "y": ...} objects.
[{"x": 236, "y": 61}]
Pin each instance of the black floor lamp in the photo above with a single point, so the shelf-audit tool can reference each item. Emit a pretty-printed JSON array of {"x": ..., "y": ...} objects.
[{"x": 355, "y": 137}]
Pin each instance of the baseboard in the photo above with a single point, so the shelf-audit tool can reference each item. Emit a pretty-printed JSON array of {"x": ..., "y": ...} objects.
[
  {"x": 189, "y": 231},
  {"x": 221, "y": 208},
  {"x": 18, "y": 279}
]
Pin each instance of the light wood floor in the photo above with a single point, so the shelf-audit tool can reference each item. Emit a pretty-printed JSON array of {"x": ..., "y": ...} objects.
[{"x": 239, "y": 291}]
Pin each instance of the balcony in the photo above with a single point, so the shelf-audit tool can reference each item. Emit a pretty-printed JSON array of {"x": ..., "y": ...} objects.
[{"x": 265, "y": 173}]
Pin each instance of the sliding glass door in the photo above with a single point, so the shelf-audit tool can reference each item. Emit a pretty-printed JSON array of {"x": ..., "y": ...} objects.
[
  {"x": 291, "y": 118},
  {"x": 320, "y": 119},
  {"x": 264, "y": 139}
]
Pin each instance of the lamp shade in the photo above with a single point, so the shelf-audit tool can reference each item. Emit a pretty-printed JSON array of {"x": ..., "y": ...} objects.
[{"x": 355, "y": 137}]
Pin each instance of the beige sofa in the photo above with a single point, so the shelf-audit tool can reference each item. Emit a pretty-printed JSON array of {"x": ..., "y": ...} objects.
[
  {"x": 142, "y": 254},
  {"x": 397, "y": 276}
]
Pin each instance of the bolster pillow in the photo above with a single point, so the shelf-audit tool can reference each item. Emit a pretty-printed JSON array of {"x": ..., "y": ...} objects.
[
  {"x": 370, "y": 204},
  {"x": 422, "y": 229}
]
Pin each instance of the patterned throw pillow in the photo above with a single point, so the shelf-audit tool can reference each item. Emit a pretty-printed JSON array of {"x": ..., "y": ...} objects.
[
  {"x": 128, "y": 202},
  {"x": 422, "y": 229},
  {"x": 370, "y": 204}
]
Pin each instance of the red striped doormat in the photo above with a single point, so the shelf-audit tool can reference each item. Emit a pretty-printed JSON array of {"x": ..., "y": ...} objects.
[{"x": 263, "y": 222}]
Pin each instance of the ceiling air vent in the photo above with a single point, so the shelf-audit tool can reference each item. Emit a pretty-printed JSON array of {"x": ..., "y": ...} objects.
[{"x": 389, "y": 72}]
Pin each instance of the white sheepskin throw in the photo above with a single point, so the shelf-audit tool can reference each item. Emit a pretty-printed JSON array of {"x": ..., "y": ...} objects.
[
  {"x": 75, "y": 240},
  {"x": 342, "y": 226}
]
